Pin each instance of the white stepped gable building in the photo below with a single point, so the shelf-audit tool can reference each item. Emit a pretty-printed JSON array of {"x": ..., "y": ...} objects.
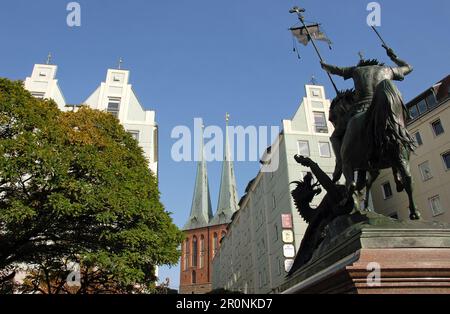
[
  {"x": 115, "y": 96},
  {"x": 43, "y": 84}
]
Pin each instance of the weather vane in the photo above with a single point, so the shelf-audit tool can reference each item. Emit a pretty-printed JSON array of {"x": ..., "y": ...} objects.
[
  {"x": 120, "y": 63},
  {"x": 49, "y": 58}
]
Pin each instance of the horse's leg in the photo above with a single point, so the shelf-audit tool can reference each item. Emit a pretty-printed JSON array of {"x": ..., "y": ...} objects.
[
  {"x": 373, "y": 175},
  {"x": 349, "y": 174},
  {"x": 336, "y": 143},
  {"x": 361, "y": 180},
  {"x": 403, "y": 168},
  {"x": 398, "y": 182},
  {"x": 360, "y": 185}
]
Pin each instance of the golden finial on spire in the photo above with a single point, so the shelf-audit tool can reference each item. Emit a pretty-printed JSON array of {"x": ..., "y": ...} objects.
[{"x": 227, "y": 117}]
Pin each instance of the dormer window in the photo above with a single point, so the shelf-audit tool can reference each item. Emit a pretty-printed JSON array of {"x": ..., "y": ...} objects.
[
  {"x": 116, "y": 78},
  {"x": 42, "y": 74}
]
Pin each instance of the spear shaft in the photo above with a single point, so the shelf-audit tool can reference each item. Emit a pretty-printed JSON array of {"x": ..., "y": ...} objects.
[{"x": 379, "y": 36}]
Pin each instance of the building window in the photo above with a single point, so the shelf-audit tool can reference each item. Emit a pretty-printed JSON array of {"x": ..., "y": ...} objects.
[
  {"x": 438, "y": 129},
  {"x": 194, "y": 251},
  {"x": 276, "y": 231},
  {"x": 187, "y": 255},
  {"x": 134, "y": 134},
  {"x": 414, "y": 113},
  {"x": 194, "y": 277},
  {"x": 303, "y": 148},
  {"x": 274, "y": 201},
  {"x": 113, "y": 107},
  {"x": 431, "y": 101},
  {"x": 418, "y": 138},
  {"x": 422, "y": 106},
  {"x": 317, "y": 104},
  {"x": 202, "y": 251},
  {"x": 315, "y": 92},
  {"x": 324, "y": 149},
  {"x": 387, "y": 191},
  {"x": 435, "y": 205},
  {"x": 215, "y": 243},
  {"x": 425, "y": 171},
  {"x": 222, "y": 235},
  {"x": 320, "y": 122},
  {"x": 446, "y": 158},
  {"x": 38, "y": 95}
]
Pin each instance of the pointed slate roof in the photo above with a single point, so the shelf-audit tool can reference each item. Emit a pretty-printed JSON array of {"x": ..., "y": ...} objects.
[
  {"x": 201, "y": 209},
  {"x": 228, "y": 199}
]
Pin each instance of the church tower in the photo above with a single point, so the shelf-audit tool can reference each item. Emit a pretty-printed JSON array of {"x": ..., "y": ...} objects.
[
  {"x": 228, "y": 200},
  {"x": 203, "y": 230}
]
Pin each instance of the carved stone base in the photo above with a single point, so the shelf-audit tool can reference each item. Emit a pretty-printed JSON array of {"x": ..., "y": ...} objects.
[{"x": 414, "y": 257}]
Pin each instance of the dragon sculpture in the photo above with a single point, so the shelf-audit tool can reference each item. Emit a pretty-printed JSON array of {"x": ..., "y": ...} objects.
[{"x": 335, "y": 203}]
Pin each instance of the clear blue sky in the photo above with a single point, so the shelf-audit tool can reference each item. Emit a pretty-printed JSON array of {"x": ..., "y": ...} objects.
[{"x": 201, "y": 58}]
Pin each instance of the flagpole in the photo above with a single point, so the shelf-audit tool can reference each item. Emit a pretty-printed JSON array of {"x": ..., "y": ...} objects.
[{"x": 301, "y": 18}]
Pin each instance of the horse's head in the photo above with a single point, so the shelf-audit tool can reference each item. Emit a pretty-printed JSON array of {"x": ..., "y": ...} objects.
[{"x": 341, "y": 105}]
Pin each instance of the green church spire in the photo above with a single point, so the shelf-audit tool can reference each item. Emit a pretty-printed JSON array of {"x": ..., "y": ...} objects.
[
  {"x": 228, "y": 199},
  {"x": 201, "y": 210}
]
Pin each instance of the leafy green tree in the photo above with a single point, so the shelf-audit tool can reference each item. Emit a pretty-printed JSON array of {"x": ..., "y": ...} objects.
[{"x": 75, "y": 187}]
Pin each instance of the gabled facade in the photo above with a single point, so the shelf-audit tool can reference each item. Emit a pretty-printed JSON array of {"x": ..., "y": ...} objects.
[
  {"x": 43, "y": 84},
  {"x": 117, "y": 97}
]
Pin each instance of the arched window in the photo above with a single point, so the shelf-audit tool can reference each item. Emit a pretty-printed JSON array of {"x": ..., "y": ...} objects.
[
  {"x": 187, "y": 254},
  {"x": 194, "y": 251},
  {"x": 202, "y": 251},
  {"x": 215, "y": 243},
  {"x": 194, "y": 277}
]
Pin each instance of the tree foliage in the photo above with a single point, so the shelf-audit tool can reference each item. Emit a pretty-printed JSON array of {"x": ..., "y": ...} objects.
[{"x": 75, "y": 187}]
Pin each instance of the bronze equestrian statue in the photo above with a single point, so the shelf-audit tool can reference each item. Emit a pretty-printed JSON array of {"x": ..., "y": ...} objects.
[{"x": 370, "y": 126}]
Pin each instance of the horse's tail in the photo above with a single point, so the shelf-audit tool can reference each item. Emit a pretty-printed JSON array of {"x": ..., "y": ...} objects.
[{"x": 386, "y": 121}]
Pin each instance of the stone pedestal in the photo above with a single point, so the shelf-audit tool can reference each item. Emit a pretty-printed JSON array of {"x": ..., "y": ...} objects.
[{"x": 413, "y": 257}]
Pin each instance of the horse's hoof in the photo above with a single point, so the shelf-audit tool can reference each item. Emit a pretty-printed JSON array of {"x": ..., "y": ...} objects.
[{"x": 414, "y": 216}]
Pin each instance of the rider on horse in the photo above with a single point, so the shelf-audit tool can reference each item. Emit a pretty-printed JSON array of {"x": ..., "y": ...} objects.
[{"x": 367, "y": 75}]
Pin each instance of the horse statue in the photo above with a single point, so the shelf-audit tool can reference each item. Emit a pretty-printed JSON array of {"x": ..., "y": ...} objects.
[
  {"x": 370, "y": 126},
  {"x": 375, "y": 139}
]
